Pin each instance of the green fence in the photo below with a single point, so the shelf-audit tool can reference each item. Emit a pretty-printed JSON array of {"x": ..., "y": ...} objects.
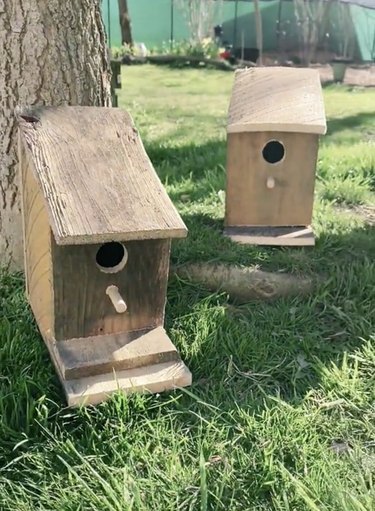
[{"x": 151, "y": 24}]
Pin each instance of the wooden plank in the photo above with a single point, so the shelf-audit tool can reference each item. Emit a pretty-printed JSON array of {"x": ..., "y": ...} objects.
[
  {"x": 90, "y": 356},
  {"x": 156, "y": 378},
  {"x": 23, "y": 162},
  {"x": 82, "y": 307},
  {"x": 290, "y": 202},
  {"x": 276, "y": 236},
  {"x": 37, "y": 247},
  {"x": 96, "y": 177},
  {"x": 277, "y": 99}
]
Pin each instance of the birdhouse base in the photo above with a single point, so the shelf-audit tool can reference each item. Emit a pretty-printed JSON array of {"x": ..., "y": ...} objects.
[
  {"x": 276, "y": 236},
  {"x": 92, "y": 368},
  {"x": 150, "y": 379}
]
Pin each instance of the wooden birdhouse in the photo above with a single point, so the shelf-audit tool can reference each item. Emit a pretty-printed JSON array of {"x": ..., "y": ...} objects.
[
  {"x": 97, "y": 234},
  {"x": 275, "y": 118}
]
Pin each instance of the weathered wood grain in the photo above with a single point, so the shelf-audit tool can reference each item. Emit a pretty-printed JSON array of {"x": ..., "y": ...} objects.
[
  {"x": 37, "y": 247},
  {"x": 82, "y": 307},
  {"x": 87, "y": 180},
  {"x": 276, "y": 236},
  {"x": 96, "y": 178},
  {"x": 277, "y": 99},
  {"x": 152, "y": 379},
  {"x": 290, "y": 202},
  {"x": 101, "y": 354}
]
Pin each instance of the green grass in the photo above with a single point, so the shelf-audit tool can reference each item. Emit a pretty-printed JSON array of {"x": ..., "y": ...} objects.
[{"x": 281, "y": 415}]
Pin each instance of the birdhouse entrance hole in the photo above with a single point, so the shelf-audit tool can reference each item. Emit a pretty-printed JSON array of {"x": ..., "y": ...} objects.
[
  {"x": 273, "y": 151},
  {"x": 111, "y": 257}
]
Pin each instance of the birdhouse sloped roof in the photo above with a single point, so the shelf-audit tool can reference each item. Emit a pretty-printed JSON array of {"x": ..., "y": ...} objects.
[
  {"x": 96, "y": 178},
  {"x": 277, "y": 99}
]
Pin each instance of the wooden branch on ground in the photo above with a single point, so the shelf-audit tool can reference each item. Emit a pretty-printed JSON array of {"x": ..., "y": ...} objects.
[
  {"x": 245, "y": 283},
  {"x": 185, "y": 59},
  {"x": 245, "y": 63}
]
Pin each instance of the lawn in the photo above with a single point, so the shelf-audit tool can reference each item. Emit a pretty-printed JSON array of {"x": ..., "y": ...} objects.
[{"x": 281, "y": 414}]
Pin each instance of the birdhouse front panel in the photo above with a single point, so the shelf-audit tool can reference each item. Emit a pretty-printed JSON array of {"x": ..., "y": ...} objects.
[
  {"x": 82, "y": 275},
  {"x": 97, "y": 234},
  {"x": 270, "y": 178}
]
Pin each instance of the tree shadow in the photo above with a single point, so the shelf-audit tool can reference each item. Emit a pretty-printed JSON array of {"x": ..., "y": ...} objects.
[
  {"x": 353, "y": 121},
  {"x": 249, "y": 363},
  {"x": 241, "y": 356},
  {"x": 284, "y": 347},
  {"x": 197, "y": 175},
  {"x": 206, "y": 242},
  {"x": 181, "y": 162}
]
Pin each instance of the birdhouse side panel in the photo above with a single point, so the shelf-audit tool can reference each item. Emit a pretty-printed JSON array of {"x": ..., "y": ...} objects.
[
  {"x": 37, "y": 247},
  {"x": 270, "y": 178},
  {"x": 91, "y": 299}
]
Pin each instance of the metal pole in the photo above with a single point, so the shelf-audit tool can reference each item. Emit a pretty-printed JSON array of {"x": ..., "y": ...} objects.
[
  {"x": 172, "y": 24},
  {"x": 235, "y": 25}
]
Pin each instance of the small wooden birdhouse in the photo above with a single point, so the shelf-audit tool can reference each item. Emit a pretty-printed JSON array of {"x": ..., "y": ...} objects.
[
  {"x": 275, "y": 118},
  {"x": 97, "y": 234}
]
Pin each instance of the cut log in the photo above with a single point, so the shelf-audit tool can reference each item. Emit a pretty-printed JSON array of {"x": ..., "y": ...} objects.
[{"x": 246, "y": 283}]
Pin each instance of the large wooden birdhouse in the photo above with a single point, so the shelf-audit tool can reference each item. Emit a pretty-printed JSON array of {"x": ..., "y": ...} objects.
[
  {"x": 97, "y": 234},
  {"x": 275, "y": 118}
]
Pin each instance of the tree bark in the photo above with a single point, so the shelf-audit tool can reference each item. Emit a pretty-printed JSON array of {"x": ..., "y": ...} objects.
[
  {"x": 259, "y": 30},
  {"x": 125, "y": 23},
  {"x": 53, "y": 52}
]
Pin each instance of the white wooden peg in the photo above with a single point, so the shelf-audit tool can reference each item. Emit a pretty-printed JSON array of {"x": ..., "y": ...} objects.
[
  {"x": 117, "y": 300},
  {"x": 270, "y": 183}
]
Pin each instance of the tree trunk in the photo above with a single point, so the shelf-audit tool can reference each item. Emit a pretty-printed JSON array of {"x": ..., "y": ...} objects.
[
  {"x": 126, "y": 30},
  {"x": 259, "y": 30},
  {"x": 52, "y": 52}
]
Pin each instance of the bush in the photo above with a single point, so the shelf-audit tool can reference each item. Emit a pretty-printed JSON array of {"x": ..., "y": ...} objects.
[
  {"x": 118, "y": 52},
  {"x": 206, "y": 49}
]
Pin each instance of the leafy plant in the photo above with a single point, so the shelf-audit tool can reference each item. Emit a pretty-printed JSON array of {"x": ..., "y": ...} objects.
[
  {"x": 119, "y": 52},
  {"x": 206, "y": 49}
]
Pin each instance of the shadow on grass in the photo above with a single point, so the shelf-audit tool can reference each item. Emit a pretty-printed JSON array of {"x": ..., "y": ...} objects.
[
  {"x": 206, "y": 243},
  {"x": 352, "y": 121},
  {"x": 259, "y": 347},
  {"x": 239, "y": 355},
  {"x": 257, "y": 350},
  {"x": 324, "y": 318},
  {"x": 260, "y": 373},
  {"x": 279, "y": 348},
  {"x": 179, "y": 162},
  {"x": 195, "y": 174}
]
